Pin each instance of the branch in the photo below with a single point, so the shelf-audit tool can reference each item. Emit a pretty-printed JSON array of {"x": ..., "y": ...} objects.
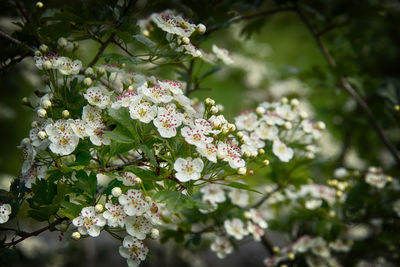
[
  {"x": 347, "y": 87},
  {"x": 250, "y": 16},
  {"x": 264, "y": 198},
  {"x": 35, "y": 233},
  {"x": 15, "y": 41}
]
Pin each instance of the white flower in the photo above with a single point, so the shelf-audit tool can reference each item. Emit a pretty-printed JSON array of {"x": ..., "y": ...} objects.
[
  {"x": 62, "y": 137},
  {"x": 247, "y": 121},
  {"x": 91, "y": 115},
  {"x": 79, "y": 128},
  {"x": 133, "y": 202},
  {"x": 235, "y": 228},
  {"x": 173, "y": 86},
  {"x": 133, "y": 250},
  {"x": 213, "y": 193},
  {"x": 170, "y": 23},
  {"x": 375, "y": 178},
  {"x": 196, "y": 136},
  {"x": 231, "y": 154},
  {"x": 192, "y": 50},
  {"x": 98, "y": 96},
  {"x": 89, "y": 222},
  {"x": 188, "y": 169},
  {"x": 125, "y": 99},
  {"x": 114, "y": 215},
  {"x": 266, "y": 132},
  {"x": 222, "y": 54},
  {"x": 5, "y": 211},
  {"x": 285, "y": 111},
  {"x": 95, "y": 133},
  {"x": 239, "y": 197},
  {"x": 128, "y": 178},
  {"x": 313, "y": 204},
  {"x": 168, "y": 119},
  {"x": 154, "y": 213},
  {"x": 157, "y": 94},
  {"x": 283, "y": 152},
  {"x": 222, "y": 247},
  {"x": 255, "y": 230},
  {"x": 35, "y": 172},
  {"x": 138, "y": 226},
  {"x": 67, "y": 66},
  {"x": 340, "y": 172},
  {"x": 28, "y": 155},
  {"x": 257, "y": 218},
  {"x": 209, "y": 151},
  {"x": 143, "y": 111}
]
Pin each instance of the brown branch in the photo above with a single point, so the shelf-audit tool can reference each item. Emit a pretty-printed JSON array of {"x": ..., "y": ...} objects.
[
  {"x": 264, "y": 198},
  {"x": 349, "y": 89},
  {"x": 15, "y": 41},
  {"x": 35, "y": 233}
]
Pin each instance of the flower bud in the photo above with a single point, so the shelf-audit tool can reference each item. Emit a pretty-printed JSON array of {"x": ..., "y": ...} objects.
[
  {"x": 294, "y": 102},
  {"x": 284, "y": 100},
  {"x": 231, "y": 127},
  {"x": 389, "y": 179},
  {"x": 87, "y": 81},
  {"x": 130, "y": 88},
  {"x": 101, "y": 70},
  {"x": 251, "y": 172},
  {"x": 75, "y": 44},
  {"x": 240, "y": 135},
  {"x": 260, "y": 110},
  {"x": 47, "y": 65},
  {"x": 155, "y": 233},
  {"x": 266, "y": 162},
  {"x": 291, "y": 256},
  {"x": 276, "y": 249},
  {"x": 310, "y": 155},
  {"x": 146, "y": 33},
  {"x": 62, "y": 42},
  {"x": 138, "y": 180},
  {"x": 214, "y": 110},
  {"x": 42, "y": 135},
  {"x": 288, "y": 125},
  {"x": 225, "y": 130},
  {"x": 242, "y": 170},
  {"x": 396, "y": 107},
  {"x": 303, "y": 115},
  {"x": 25, "y": 100},
  {"x": 46, "y": 104},
  {"x": 185, "y": 40},
  {"x": 65, "y": 114},
  {"x": 221, "y": 154},
  {"x": 321, "y": 125},
  {"x": 76, "y": 235},
  {"x": 89, "y": 71},
  {"x": 220, "y": 107},
  {"x": 247, "y": 154},
  {"x": 147, "y": 198},
  {"x": 34, "y": 124},
  {"x": 201, "y": 28},
  {"x": 41, "y": 113},
  {"x": 332, "y": 213},
  {"x": 38, "y": 53},
  {"x": 209, "y": 101},
  {"x": 63, "y": 227},
  {"x": 98, "y": 208},
  {"x": 339, "y": 193},
  {"x": 26, "y": 141},
  {"x": 116, "y": 191},
  {"x": 44, "y": 48},
  {"x": 39, "y": 4},
  {"x": 261, "y": 151}
]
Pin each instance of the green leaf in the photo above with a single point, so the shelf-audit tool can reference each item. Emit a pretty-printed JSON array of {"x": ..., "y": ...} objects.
[
  {"x": 71, "y": 210},
  {"x": 175, "y": 201},
  {"x": 242, "y": 186},
  {"x": 43, "y": 213},
  {"x": 149, "y": 154},
  {"x": 143, "y": 173}
]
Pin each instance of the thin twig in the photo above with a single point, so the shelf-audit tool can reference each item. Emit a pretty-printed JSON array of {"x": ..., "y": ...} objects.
[
  {"x": 22, "y": 10},
  {"x": 35, "y": 233},
  {"x": 347, "y": 87},
  {"x": 264, "y": 198},
  {"x": 15, "y": 41}
]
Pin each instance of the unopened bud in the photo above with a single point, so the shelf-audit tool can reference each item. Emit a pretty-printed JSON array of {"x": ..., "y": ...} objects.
[
  {"x": 39, "y": 4},
  {"x": 47, "y": 65},
  {"x": 26, "y": 141},
  {"x": 220, "y": 107},
  {"x": 41, "y": 113},
  {"x": 76, "y": 235},
  {"x": 261, "y": 151},
  {"x": 260, "y": 110},
  {"x": 63, "y": 227},
  {"x": 225, "y": 130},
  {"x": 332, "y": 213},
  {"x": 185, "y": 40},
  {"x": 62, "y": 42},
  {"x": 339, "y": 193},
  {"x": 87, "y": 81},
  {"x": 247, "y": 214},
  {"x": 397, "y": 108},
  {"x": 99, "y": 208},
  {"x": 266, "y": 162},
  {"x": 303, "y": 115},
  {"x": 247, "y": 154},
  {"x": 214, "y": 110},
  {"x": 231, "y": 127},
  {"x": 242, "y": 171},
  {"x": 288, "y": 125},
  {"x": 310, "y": 155},
  {"x": 284, "y": 100},
  {"x": 138, "y": 180},
  {"x": 89, "y": 71},
  {"x": 294, "y": 102},
  {"x": 147, "y": 198},
  {"x": 146, "y": 33},
  {"x": 321, "y": 125},
  {"x": 25, "y": 100},
  {"x": 389, "y": 179},
  {"x": 155, "y": 233},
  {"x": 38, "y": 53},
  {"x": 44, "y": 48},
  {"x": 201, "y": 28},
  {"x": 75, "y": 44},
  {"x": 42, "y": 135},
  {"x": 101, "y": 70},
  {"x": 276, "y": 249},
  {"x": 65, "y": 114},
  {"x": 46, "y": 103},
  {"x": 221, "y": 154},
  {"x": 116, "y": 191},
  {"x": 209, "y": 101},
  {"x": 130, "y": 88},
  {"x": 34, "y": 124},
  {"x": 291, "y": 256},
  {"x": 251, "y": 172},
  {"x": 240, "y": 135}
]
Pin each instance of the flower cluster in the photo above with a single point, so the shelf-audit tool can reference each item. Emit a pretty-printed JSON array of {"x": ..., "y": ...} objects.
[
  {"x": 132, "y": 212},
  {"x": 283, "y": 125},
  {"x": 5, "y": 211}
]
